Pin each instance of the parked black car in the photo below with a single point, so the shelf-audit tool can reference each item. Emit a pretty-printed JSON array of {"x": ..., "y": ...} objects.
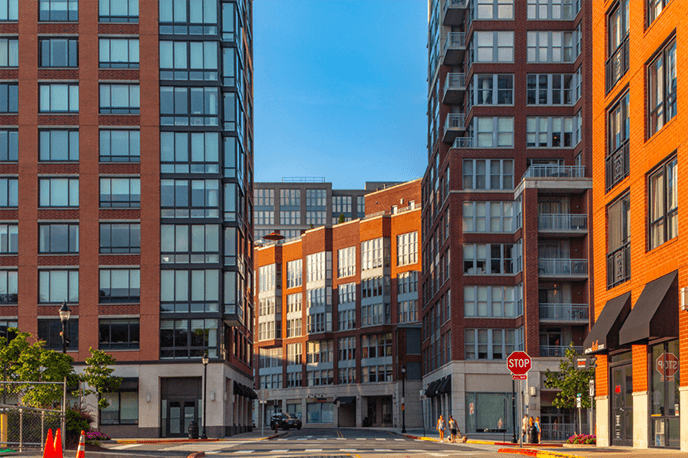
[{"x": 284, "y": 421}]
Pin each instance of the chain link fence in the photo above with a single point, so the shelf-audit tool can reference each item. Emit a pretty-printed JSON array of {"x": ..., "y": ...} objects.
[{"x": 28, "y": 410}]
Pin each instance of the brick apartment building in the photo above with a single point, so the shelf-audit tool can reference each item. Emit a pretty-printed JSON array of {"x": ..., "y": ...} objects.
[
  {"x": 146, "y": 105},
  {"x": 506, "y": 205},
  {"x": 296, "y": 204},
  {"x": 337, "y": 318},
  {"x": 640, "y": 131}
]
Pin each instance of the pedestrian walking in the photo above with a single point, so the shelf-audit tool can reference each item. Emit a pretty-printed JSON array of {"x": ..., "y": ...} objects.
[
  {"x": 453, "y": 427},
  {"x": 441, "y": 426},
  {"x": 539, "y": 432},
  {"x": 524, "y": 428}
]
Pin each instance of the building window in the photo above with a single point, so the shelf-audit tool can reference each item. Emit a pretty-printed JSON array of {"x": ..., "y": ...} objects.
[
  {"x": 491, "y": 90},
  {"x": 493, "y": 9},
  {"x": 50, "y": 331},
  {"x": 264, "y": 197},
  {"x": 408, "y": 311},
  {"x": 9, "y": 192},
  {"x": 9, "y": 145},
  {"x": 341, "y": 206},
  {"x": 56, "y": 286},
  {"x": 120, "y": 146},
  {"x": 266, "y": 278},
  {"x": 9, "y": 10},
  {"x": 191, "y": 291},
  {"x": 550, "y": 132},
  {"x": 376, "y": 314},
  {"x": 292, "y": 218},
  {"x": 501, "y": 174},
  {"x": 617, "y": 158},
  {"x": 407, "y": 282},
  {"x": 8, "y": 287},
  {"x": 59, "y": 52},
  {"x": 182, "y": 60},
  {"x": 184, "y": 339},
  {"x": 492, "y": 343},
  {"x": 120, "y": 98},
  {"x": 118, "y": 11},
  {"x": 120, "y": 192},
  {"x": 189, "y": 106},
  {"x": 294, "y": 327},
  {"x": 318, "y": 266},
  {"x": 488, "y": 259},
  {"x": 320, "y": 351},
  {"x": 195, "y": 244},
  {"x": 119, "y": 334},
  {"x": 120, "y": 238},
  {"x": 619, "y": 241},
  {"x": 493, "y": 47},
  {"x": 196, "y": 152},
  {"x": 264, "y": 218},
  {"x": 489, "y": 217},
  {"x": 9, "y": 238},
  {"x": 316, "y": 218},
  {"x": 58, "y": 145},
  {"x": 290, "y": 198},
  {"x": 123, "y": 408},
  {"x": 196, "y": 17},
  {"x": 492, "y": 301},
  {"x": 120, "y": 285},
  {"x": 294, "y": 354},
  {"x": 346, "y": 262},
  {"x": 375, "y": 287},
  {"x": 294, "y": 273},
  {"x": 553, "y": 89},
  {"x": 665, "y": 379},
  {"x": 663, "y": 200},
  {"x": 202, "y": 196},
  {"x": 374, "y": 253},
  {"x": 58, "y": 238},
  {"x": 9, "y": 51},
  {"x": 59, "y": 98},
  {"x": 376, "y": 345},
  {"x": 493, "y": 132},
  {"x": 617, "y": 51},
  {"x": 58, "y": 10},
  {"x": 552, "y": 46},
  {"x": 119, "y": 53},
  {"x": 661, "y": 86},
  {"x": 407, "y": 248},
  {"x": 58, "y": 192},
  {"x": 9, "y": 98},
  {"x": 553, "y": 9},
  {"x": 360, "y": 206},
  {"x": 654, "y": 9}
]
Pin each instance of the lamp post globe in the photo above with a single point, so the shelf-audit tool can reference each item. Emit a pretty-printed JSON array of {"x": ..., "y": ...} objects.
[{"x": 205, "y": 361}]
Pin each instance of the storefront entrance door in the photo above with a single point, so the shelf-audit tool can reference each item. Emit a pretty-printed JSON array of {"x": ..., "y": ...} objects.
[
  {"x": 180, "y": 414},
  {"x": 622, "y": 405}
]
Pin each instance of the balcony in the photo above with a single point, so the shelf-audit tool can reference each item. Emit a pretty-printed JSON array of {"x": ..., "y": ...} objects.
[
  {"x": 454, "y": 88},
  {"x": 454, "y": 125},
  {"x": 563, "y": 222},
  {"x": 463, "y": 142},
  {"x": 563, "y": 267},
  {"x": 617, "y": 166},
  {"x": 619, "y": 266},
  {"x": 454, "y": 48},
  {"x": 617, "y": 65},
  {"x": 555, "y": 171},
  {"x": 454, "y": 11},
  {"x": 564, "y": 313},
  {"x": 557, "y": 351}
]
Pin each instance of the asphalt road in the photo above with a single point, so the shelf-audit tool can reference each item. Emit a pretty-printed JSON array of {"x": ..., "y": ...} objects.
[{"x": 319, "y": 443}]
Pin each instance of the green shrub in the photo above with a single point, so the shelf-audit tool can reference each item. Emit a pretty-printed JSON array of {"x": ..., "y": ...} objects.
[{"x": 77, "y": 420}]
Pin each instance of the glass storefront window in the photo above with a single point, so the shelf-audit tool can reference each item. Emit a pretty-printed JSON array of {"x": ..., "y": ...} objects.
[
  {"x": 320, "y": 413},
  {"x": 664, "y": 408},
  {"x": 491, "y": 412}
]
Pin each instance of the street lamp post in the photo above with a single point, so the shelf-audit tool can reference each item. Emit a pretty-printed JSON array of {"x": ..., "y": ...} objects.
[
  {"x": 205, "y": 361},
  {"x": 403, "y": 399},
  {"x": 65, "y": 314}
]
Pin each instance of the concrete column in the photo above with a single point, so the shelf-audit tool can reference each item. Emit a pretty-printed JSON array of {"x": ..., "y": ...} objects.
[
  {"x": 641, "y": 434},
  {"x": 683, "y": 399},
  {"x": 602, "y": 415}
]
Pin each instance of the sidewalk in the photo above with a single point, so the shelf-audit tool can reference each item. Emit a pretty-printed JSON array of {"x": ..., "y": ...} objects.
[{"x": 255, "y": 435}]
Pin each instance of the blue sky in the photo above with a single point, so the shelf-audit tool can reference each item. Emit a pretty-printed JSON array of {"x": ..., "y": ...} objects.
[{"x": 340, "y": 90}]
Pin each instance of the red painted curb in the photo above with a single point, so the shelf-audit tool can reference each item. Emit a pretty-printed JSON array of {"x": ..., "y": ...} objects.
[
  {"x": 196, "y": 455},
  {"x": 525, "y": 452}
]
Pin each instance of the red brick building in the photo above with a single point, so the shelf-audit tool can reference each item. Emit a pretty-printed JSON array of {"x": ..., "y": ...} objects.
[
  {"x": 337, "y": 322},
  {"x": 126, "y": 193},
  {"x": 640, "y": 333},
  {"x": 506, "y": 205}
]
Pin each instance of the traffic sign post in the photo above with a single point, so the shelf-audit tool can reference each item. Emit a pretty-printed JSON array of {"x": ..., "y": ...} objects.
[{"x": 519, "y": 363}]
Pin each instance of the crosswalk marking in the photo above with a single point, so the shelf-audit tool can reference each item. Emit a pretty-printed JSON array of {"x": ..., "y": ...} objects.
[
  {"x": 341, "y": 438},
  {"x": 312, "y": 450},
  {"x": 380, "y": 439},
  {"x": 245, "y": 451},
  {"x": 122, "y": 447},
  {"x": 347, "y": 449},
  {"x": 403, "y": 440}
]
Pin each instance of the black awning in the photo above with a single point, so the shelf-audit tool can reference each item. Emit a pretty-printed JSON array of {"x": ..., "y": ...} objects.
[
  {"x": 250, "y": 393},
  {"x": 655, "y": 313},
  {"x": 431, "y": 391},
  {"x": 239, "y": 389},
  {"x": 605, "y": 332},
  {"x": 345, "y": 400},
  {"x": 445, "y": 387}
]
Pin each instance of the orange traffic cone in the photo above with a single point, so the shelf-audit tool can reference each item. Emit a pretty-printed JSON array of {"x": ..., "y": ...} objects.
[
  {"x": 57, "y": 446},
  {"x": 81, "y": 450},
  {"x": 49, "y": 445}
]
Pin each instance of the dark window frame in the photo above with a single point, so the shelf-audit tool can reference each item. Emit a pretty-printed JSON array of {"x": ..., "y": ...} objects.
[
  {"x": 71, "y": 15},
  {"x": 114, "y": 18},
  {"x": 9, "y": 98},
  {"x": 49, "y": 204},
  {"x": 188, "y": 72},
  {"x": 9, "y": 145},
  {"x": 8, "y": 43},
  {"x": 133, "y": 201},
  {"x": 136, "y": 140},
  {"x": 70, "y": 96},
  {"x": 53, "y": 340},
  {"x": 130, "y": 297},
  {"x": 69, "y": 292},
  {"x": 11, "y": 14},
  {"x": 72, "y": 238},
  {"x": 131, "y": 62},
  {"x": 183, "y": 25},
  {"x": 617, "y": 157},
  {"x": 133, "y": 331},
  {"x": 179, "y": 106},
  {"x": 72, "y": 150},
  {"x": 10, "y": 187},
  {"x": 105, "y": 104},
  {"x": 46, "y": 52},
  {"x": 666, "y": 214},
  {"x": 174, "y": 144},
  {"x": 9, "y": 240},
  {"x": 665, "y": 106},
  {"x": 619, "y": 257},
  {"x": 185, "y": 349},
  {"x": 177, "y": 199},
  {"x": 617, "y": 62},
  {"x": 107, "y": 229}
]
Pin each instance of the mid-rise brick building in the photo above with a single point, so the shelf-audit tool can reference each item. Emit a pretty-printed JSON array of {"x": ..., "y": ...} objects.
[
  {"x": 640, "y": 134},
  {"x": 337, "y": 322},
  {"x": 127, "y": 164},
  {"x": 506, "y": 205}
]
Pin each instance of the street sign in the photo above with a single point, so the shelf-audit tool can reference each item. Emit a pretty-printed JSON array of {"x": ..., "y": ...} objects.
[
  {"x": 667, "y": 366},
  {"x": 592, "y": 388},
  {"x": 519, "y": 363},
  {"x": 581, "y": 363},
  {"x": 578, "y": 402}
]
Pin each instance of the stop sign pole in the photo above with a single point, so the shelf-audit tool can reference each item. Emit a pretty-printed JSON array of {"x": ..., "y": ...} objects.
[{"x": 518, "y": 363}]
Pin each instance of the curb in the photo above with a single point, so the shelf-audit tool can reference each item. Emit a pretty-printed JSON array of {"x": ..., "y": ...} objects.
[
  {"x": 479, "y": 442},
  {"x": 183, "y": 441},
  {"x": 537, "y": 453}
]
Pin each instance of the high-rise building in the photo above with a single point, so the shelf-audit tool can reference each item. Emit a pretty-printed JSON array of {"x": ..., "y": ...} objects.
[
  {"x": 296, "y": 204},
  {"x": 146, "y": 105},
  {"x": 506, "y": 204},
  {"x": 639, "y": 138},
  {"x": 338, "y": 330}
]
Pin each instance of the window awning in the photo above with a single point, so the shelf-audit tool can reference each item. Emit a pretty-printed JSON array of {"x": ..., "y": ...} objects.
[
  {"x": 237, "y": 389},
  {"x": 250, "y": 393},
  {"x": 605, "y": 332},
  {"x": 655, "y": 314},
  {"x": 445, "y": 387},
  {"x": 342, "y": 400},
  {"x": 432, "y": 389}
]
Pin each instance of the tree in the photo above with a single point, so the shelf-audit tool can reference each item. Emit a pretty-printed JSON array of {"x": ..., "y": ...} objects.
[
  {"x": 98, "y": 376},
  {"x": 570, "y": 381},
  {"x": 341, "y": 218}
]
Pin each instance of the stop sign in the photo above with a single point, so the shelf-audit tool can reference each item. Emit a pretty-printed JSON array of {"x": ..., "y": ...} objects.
[
  {"x": 519, "y": 363},
  {"x": 667, "y": 366}
]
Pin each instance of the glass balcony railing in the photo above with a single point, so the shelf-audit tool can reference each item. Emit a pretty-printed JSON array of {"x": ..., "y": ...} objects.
[
  {"x": 564, "y": 312},
  {"x": 455, "y": 41},
  {"x": 562, "y": 267},
  {"x": 455, "y": 81},
  {"x": 555, "y": 171},
  {"x": 557, "y": 351},
  {"x": 562, "y": 222},
  {"x": 463, "y": 142}
]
